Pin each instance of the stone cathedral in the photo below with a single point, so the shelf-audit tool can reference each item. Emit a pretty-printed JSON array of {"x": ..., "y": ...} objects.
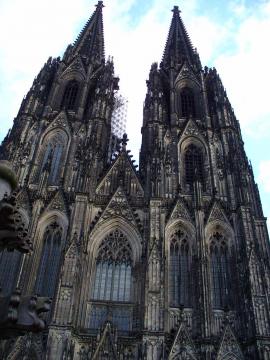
[{"x": 170, "y": 260}]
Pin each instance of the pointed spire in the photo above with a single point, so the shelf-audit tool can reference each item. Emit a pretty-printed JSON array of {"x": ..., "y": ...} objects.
[
  {"x": 90, "y": 42},
  {"x": 178, "y": 46}
]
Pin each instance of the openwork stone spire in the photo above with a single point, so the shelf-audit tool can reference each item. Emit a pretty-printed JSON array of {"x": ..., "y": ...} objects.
[
  {"x": 90, "y": 42},
  {"x": 178, "y": 46}
]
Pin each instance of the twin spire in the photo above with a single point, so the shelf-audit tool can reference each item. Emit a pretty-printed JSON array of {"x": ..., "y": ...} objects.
[
  {"x": 178, "y": 47},
  {"x": 90, "y": 42}
]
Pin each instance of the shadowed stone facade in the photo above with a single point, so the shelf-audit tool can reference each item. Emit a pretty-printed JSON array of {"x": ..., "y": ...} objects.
[{"x": 170, "y": 261}]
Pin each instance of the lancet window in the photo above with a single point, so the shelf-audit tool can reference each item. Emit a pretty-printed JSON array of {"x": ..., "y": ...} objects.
[
  {"x": 187, "y": 103},
  {"x": 49, "y": 261},
  {"x": 193, "y": 164},
  {"x": 179, "y": 270},
  {"x": 70, "y": 95},
  {"x": 113, "y": 282},
  {"x": 53, "y": 157},
  {"x": 9, "y": 268},
  {"x": 219, "y": 270}
]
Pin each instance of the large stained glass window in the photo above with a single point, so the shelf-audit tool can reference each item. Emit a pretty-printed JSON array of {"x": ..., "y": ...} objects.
[
  {"x": 179, "y": 270},
  {"x": 113, "y": 282}
]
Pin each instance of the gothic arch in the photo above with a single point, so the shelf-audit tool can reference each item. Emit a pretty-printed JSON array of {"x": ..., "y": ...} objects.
[
  {"x": 44, "y": 222},
  {"x": 109, "y": 225},
  {"x": 52, "y": 216},
  {"x": 218, "y": 225},
  {"x": 10, "y": 262},
  {"x": 187, "y": 84},
  {"x": 129, "y": 265},
  {"x": 54, "y": 143},
  {"x": 220, "y": 254},
  {"x": 179, "y": 249},
  {"x": 185, "y": 144}
]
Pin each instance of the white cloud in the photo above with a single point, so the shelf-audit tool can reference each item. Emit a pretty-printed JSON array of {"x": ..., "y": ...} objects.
[
  {"x": 36, "y": 29},
  {"x": 239, "y": 47},
  {"x": 245, "y": 71}
]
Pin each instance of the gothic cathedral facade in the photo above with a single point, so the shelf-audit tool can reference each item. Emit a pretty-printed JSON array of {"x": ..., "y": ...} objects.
[{"x": 168, "y": 261}]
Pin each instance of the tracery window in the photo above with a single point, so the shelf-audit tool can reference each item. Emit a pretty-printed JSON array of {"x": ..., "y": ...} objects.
[
  {"x": 70, "y": 95},
  {"x": 193, "y": 164},
  {"x": 187, "y": 103},
  {"x": 53, "y": 157},
  {"x": 9, "y": 268},
  {"x": 113, "y": 282},
  {"x": 179, "y": 270},
  {"x": 219, "y": 270},
  {"x": 49, "y": 261}
]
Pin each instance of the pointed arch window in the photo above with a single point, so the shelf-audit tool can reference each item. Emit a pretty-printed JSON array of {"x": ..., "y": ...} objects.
[
  {"x": 52, "y": 158},
  {"x": 179, "y": 270},
  {"x": 219, "y": 270},
  {"x": 187, "y": 103},
  {"x": 9, "y": 269},
  {"x": 70, "y": 95},
  {"x": 193, "y": 159},
  {"x": 49, "y": 261},
  {"x": 113, "y": 282}
]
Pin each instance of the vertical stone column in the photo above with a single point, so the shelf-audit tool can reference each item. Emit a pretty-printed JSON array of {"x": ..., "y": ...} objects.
[{"x": 154, "y": 316}]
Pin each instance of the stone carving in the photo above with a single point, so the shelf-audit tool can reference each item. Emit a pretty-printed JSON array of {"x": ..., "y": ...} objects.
[
  {"x": 229, "y": 347},
  {"x": 180, "y": 211},
  {"x": 58, "y": 203},
  {"x": 183, "y": 347},
  {"x": 217, "y": 213},
  {"x": 75, "y": 66}
]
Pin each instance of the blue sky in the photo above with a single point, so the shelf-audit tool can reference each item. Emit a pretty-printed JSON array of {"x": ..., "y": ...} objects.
[{"x": 232, "y": 35}]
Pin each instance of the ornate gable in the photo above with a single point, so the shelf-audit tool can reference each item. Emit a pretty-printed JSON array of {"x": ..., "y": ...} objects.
[
  {"x": 23, "y": 200},
  {"x": 183, "y": 347},
  {"x": 76, "y": 66},
  {"x": 217, "y": 213},
  {"x": 73, "y": 248},
  {"x": 122, "y": 172},
  {"x": 58, "y": 203},
  {"x": 61, "y": 121},
  {"x": 229, "y": 347},
  {"x": 191, "y": 129},
  {"x": 180, "y": 211},
  {"x": 186, "y": 72},
  {"x": 118, "y": 207},
  {"x": 106, "y": 344}
]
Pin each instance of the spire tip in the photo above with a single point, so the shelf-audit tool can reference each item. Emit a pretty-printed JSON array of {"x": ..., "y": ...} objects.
[
  {"x": 99, "y": 5},
  {"x": 176, "y": 10}
]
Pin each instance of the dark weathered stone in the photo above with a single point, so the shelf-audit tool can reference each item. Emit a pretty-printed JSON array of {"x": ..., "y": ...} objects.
[{"x": 186, "y": 232}]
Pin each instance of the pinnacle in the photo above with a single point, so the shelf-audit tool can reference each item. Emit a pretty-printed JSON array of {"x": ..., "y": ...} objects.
[
  {"x": 176, "y": 10},
  {"x": 100, "y": 5}
]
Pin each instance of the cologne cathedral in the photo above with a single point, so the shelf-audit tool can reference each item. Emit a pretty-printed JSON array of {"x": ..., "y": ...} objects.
[{"x": 170, "y": 260}]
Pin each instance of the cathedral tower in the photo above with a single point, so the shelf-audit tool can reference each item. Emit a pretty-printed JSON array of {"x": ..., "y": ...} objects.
[{"x": 171, "y": 261}]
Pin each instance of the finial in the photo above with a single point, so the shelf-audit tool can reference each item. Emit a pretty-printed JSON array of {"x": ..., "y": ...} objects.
[
  {"x": 100, "y": 5},
  {"x": 124, "y": 140},
  {"x": 176, "y": 10}
]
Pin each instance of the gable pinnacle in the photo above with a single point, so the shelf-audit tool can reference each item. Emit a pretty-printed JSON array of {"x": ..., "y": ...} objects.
[
  {"x": 100, "y": 5},
  {"x": 176, "y": 10}
]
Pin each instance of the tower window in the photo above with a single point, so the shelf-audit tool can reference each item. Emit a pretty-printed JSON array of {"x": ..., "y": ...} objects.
[
  {"x": 70, "y": 95},
  {"x": 187, "y": 103},
  {"x": 50, "y": 261},
  {"x": 193, "y": 164},
  {"x": 112, "y": 283},
  {"x": 52, "y": 160},
  {"x": 179, "y": 270},
  {"x": 219, "y": 270}
]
